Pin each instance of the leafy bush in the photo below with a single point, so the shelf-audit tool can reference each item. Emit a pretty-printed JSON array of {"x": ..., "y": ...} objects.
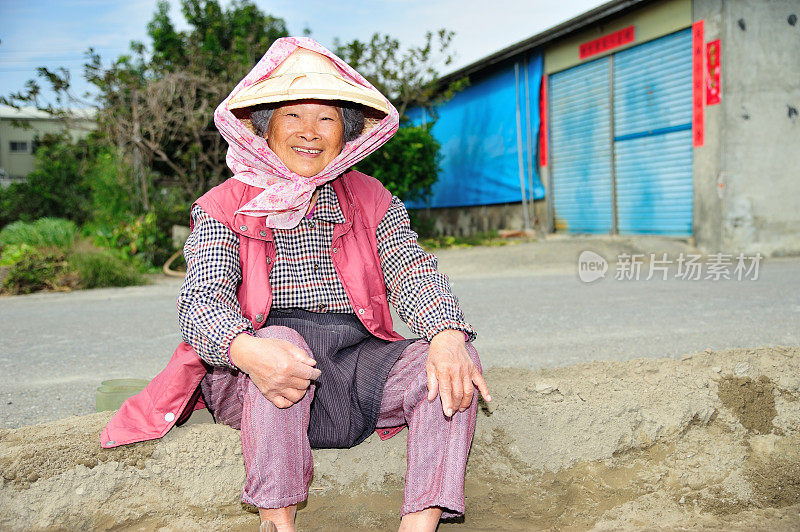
[
  {"x": 102, "y": 268},
  {"x": 171, "y": 208},
  {"x": 491, "y": 238},
  {"x": 36, "y": 269},
  {"x": 25, "y": 269},
  {"x": 43, "y": 232},
  {"x": 13, "y": 253},
  {"x": 130, "y": 236},
  {"x": 57, "y": 186},
  {"x": 110, "y": 192},
  {"x": 408, "y": 165}
]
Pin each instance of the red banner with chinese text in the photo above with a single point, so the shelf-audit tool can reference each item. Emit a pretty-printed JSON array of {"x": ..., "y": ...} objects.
[
  {"x": 698, "y": 88},
  {"x": 606, "y": 42},
  {"x": 712, "y": 72}
]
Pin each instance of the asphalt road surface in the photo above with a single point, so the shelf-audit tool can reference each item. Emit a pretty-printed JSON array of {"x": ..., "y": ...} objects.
[{"x": 55, "y": 349}]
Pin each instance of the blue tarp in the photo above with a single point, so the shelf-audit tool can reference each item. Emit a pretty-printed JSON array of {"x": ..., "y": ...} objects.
[{"x": 477, "y": 130}]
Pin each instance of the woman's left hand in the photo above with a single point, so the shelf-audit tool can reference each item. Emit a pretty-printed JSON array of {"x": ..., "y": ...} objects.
[{"x": 452, "y": 374}]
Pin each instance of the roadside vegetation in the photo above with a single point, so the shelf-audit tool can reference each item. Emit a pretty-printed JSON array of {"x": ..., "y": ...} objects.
[
  {"x": 491, "y": 238},
  {"x": 49, "y": 254}
]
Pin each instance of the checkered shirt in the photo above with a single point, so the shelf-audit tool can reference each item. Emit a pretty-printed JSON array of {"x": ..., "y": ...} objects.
[{"x": 303, "y": 277}]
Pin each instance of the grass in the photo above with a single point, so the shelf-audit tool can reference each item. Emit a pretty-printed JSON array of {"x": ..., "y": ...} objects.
[
  {"x": 36, "y": 269},
  {"x": 44, "y": 232},
  {"x": 45, "y": 255},
  {"x": 491, "y": 238},
  {"x": 98, "y": 268}
]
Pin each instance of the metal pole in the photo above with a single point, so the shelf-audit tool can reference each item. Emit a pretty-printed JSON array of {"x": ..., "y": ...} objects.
[
  {"x": 548, "y": 170},
  {"x": 528, "y": 130},
  {"x": 519, "y": 153},
  {"x": 613, "y": 173}
]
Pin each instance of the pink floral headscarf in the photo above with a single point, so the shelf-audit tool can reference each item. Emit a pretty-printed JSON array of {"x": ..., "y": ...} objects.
[{"x": 287, "y": 195}]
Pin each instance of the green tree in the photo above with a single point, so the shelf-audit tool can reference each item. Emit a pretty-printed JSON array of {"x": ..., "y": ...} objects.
[
  {"x": 157, "y": 110},
  {"x": 161, "y": 110},
  {"x": 408, "y": 77}
]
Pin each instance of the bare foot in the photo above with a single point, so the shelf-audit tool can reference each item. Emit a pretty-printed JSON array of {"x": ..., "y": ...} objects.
[
  {"x": 282, "y": 518},
  {"x": 423, "y": 521}
]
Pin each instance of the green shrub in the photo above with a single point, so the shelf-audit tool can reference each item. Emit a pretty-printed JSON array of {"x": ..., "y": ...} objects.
[
  {"x": 101, "y": 268},
  {"x": 57, "y": 185},
  {"x": 43, "y": 232},
  {"x": 132, "y": 236},
  {"x": 112, "y": 195},
  {"x": 13, "y": 253},
  {"x": 407, "y": 165},
  {"x": 36, "y": 269},
  {"x": 491, "y": 238}
]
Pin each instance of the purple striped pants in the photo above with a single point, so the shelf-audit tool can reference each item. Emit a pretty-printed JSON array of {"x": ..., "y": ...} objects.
[{"x": 277, "y": 454}]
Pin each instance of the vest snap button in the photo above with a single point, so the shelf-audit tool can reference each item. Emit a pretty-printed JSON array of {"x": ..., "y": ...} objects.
[
  {"x": 361, "y": 311},
  {"x": 259, "y": 318},
  {"x": 262, "y": 233},
  {"x": 243, "y": 227},
  {"x": 169, "y": 417},
  {"x": 335, "y": 250},
  {"x": 269, "y": 259}
]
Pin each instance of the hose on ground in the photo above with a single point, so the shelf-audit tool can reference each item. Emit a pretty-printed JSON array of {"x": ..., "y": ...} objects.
[{"x": 173, "y": 273}]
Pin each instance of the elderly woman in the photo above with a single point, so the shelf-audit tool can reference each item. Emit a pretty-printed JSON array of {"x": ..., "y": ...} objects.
[{"x": 291, "y": 266}]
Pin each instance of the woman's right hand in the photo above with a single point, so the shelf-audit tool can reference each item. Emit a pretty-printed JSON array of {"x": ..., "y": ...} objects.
[{"x": 281, "y": 370}]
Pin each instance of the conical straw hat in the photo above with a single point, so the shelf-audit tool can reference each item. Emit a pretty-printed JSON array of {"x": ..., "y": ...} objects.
[{"x": 307, "y": 75}]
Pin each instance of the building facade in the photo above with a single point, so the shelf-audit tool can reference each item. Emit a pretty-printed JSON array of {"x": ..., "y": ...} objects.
[
  {"x": 664, "y": 117},
  {"x": 19, "y": 131}
]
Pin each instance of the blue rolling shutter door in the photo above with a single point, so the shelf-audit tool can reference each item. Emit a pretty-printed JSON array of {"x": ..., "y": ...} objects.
[
  {"x": 653, "y": 137},
  {"x": 580, "y": 140}
]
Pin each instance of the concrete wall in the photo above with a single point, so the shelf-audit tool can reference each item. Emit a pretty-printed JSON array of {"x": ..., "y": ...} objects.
[
  {"x": 747, "y": 176},
  {"x": 465, "y": 221},
  {"x": 707, "y": 160}
]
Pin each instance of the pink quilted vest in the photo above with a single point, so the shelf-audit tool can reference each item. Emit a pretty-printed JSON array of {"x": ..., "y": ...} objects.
[{"x": 174, "y": 393}]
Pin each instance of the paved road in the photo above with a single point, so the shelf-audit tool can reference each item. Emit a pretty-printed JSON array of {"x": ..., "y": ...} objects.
[{"x": 56, "y": 348}]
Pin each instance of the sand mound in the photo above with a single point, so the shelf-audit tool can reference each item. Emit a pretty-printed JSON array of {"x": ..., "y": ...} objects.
[{"x": 709, "y": 441}]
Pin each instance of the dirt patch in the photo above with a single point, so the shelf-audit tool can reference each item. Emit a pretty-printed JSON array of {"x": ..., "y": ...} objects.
[
  {"x": 659, "y": 444},
  {"x": 774, "y": 471},
  {"x": 56, "y": 451},
  {"x": 752, "y": 401}
]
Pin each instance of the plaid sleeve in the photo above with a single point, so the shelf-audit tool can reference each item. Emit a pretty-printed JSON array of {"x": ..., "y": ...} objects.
[
  {"x": 208, "y": 312},
  {"x": 420, "y": 294}
]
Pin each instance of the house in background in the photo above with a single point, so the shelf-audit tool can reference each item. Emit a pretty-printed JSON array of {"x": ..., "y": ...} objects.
[
  {"x": 662, "y": 117},
  {"x": 21, "y": 128}
]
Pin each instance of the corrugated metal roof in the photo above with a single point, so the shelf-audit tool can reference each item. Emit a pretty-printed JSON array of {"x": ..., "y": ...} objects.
[
  {"x": 31, "y": 113},
  {"x": 594, "y": 16}
]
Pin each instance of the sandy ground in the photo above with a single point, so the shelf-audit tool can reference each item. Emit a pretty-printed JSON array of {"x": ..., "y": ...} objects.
[{"x": 710, "y": 441}]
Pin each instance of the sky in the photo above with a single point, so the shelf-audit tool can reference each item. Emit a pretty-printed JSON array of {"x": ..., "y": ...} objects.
[{"x": 57, "y": 33}]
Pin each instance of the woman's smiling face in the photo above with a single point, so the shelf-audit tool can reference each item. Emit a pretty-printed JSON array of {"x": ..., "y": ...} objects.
[{"x": 306, "y": 135}]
